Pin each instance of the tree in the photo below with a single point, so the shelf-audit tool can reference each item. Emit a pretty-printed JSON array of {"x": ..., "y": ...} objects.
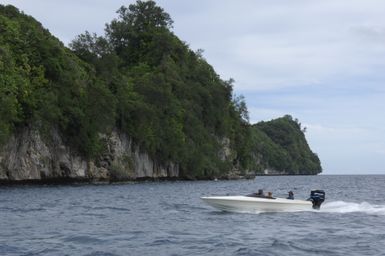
[
  {"x": 241, "y": 108},
  {"x": 90, "y": 47},
  {"x": 141, "y": 33},
  {"x": 141, "y": 17},
  {"x": 9, "y": 105}
]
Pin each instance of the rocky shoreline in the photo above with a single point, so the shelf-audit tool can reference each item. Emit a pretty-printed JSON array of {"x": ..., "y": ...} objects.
[
  {"x": 30, "y": 158},
  {"x": 77, "y": 181}
]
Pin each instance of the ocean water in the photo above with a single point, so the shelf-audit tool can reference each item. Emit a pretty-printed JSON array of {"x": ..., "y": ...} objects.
[{"x": 168, "y": 218}]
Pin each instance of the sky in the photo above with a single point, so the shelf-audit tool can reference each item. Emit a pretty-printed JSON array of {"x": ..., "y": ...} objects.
[{"x": 322, "y": 62}]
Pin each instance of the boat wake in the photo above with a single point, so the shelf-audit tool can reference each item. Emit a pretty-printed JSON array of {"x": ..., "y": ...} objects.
[
  {"x": 341, "y": 207},
  {"x": 348, "y": 207}
]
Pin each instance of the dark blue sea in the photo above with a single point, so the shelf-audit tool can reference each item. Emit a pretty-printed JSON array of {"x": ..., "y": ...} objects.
[{"x": 168, "y": 218}]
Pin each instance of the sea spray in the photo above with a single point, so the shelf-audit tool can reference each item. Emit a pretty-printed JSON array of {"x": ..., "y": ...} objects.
[{"x": 350, "y": 207}]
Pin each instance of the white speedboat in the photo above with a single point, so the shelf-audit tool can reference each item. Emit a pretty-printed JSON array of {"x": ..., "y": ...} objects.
[{"x": 253, "y": 203}]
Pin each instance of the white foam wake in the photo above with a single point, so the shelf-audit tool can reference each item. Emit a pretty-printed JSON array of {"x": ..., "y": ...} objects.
[{"x": 347, "y": 207}]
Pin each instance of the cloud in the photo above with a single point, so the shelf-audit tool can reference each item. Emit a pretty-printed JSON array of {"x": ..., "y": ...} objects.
[
  {"x": 370, "y": 33},
  {"x": 334, "y": 131},
  {"x": 270, "y": 45}
]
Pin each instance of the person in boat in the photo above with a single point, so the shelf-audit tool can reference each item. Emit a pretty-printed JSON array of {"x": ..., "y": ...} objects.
[
  {"x": 269, "y": 195},
  {"x": 291, "y": 195},
  {"x": 260, "y": 193},
  {"x": 257, "y": 194}
]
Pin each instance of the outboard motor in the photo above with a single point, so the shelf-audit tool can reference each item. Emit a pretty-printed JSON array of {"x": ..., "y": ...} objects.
[{"x": 317, "y": 197}]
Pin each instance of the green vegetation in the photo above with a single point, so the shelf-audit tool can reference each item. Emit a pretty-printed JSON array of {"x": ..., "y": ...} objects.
[
  {"x": 43, "y": 82},
  {"x": 142, "y": 80},
  {"x": 282, "y": 146}
]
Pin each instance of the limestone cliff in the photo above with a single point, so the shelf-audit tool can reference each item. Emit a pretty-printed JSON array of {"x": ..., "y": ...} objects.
[{"x": 29, "y": 156}]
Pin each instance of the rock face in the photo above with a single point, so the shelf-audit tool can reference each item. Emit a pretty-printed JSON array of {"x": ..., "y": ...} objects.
[
  {"x": 29, "y": 156},
  {"x": 127, "y": 161}
]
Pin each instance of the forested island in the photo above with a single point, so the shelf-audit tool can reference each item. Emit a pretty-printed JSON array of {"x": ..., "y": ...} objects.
[{"x": 135, "y": 103}]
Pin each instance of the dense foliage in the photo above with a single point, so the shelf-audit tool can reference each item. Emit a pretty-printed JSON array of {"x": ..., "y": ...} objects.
[
  {"x": 140, "y": 79},
  {"x": 43, "y": 82},
  {"x": 282, "y": 145},
  {"x": 169, "y": 99}
]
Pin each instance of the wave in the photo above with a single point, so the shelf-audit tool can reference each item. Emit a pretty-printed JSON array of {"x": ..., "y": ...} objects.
[{"x": 349, "y": 207}]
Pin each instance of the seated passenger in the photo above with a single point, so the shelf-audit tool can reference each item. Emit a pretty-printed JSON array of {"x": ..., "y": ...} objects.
[
  {"x": 260, "y": 193},
  {"x": 291, "y": 195}
]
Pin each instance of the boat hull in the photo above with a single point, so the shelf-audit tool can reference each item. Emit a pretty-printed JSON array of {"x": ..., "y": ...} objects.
[{"x": 256, "y": 204}]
